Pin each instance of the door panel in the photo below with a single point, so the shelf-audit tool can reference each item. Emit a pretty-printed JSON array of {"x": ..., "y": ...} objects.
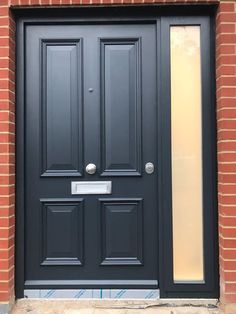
[
  {"x": 120, "y": 67},
  {"x": 62, "y": 222},
  {"x": 121, "y": 231},
  {"x": 91, "y": 98},
  {"x": 62, "y": 102}
]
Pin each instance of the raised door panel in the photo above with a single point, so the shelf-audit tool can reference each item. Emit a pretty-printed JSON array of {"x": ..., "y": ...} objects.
[
  {"x": 62, "y": 232},
  {"x": 121, "y": 107},
  {"x": 62, "y": 149},
  {"x": 121, "y": 231}
]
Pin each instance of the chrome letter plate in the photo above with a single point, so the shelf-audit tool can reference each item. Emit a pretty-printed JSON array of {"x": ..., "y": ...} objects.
[{"x": 91, "y": 187}]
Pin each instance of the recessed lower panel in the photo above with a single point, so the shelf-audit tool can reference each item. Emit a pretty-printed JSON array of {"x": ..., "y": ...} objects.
[
  {"x": 62, "y": 232},
  {"x": 121, "y": 231}
]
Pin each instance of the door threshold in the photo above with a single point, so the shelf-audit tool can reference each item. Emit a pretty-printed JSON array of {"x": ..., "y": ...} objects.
[{"x": 101, "y": 294}]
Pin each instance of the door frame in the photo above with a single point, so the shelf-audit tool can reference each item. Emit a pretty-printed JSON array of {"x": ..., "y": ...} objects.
[{"x": 162, "y": 17}]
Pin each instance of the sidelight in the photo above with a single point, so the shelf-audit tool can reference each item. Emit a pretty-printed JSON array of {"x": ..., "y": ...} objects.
[{"x": 186, "y": 149}]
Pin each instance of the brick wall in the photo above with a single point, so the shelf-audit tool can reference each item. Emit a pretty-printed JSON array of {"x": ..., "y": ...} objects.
[
  {"x": 226, "y": 116},
  {"x": 7, "y": 152}
]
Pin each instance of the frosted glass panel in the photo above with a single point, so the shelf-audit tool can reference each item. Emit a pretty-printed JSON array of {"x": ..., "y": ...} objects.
[{"x": 186, "y": 138}]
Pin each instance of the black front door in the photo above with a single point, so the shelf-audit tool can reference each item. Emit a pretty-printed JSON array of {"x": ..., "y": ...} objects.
[{"x": 91, "y": 101}]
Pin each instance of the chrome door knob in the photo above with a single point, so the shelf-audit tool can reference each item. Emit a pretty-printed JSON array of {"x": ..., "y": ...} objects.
[
  {"x": 149, "y": 167},
  {"x": 91, "y": 168}
]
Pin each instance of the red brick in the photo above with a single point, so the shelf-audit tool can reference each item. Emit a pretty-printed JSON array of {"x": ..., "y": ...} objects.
[
  {"x": 227, "y": 265},
  {"x": 6, "y": 169},
  {"x": 5, "y": 53},
  {"x": 4, "y": 73},
  {"x": 5, "y": 190},
  {"x": 222, "y": 124},
  {"x": 230, "y": 287},
  {"x": 6, "y": 254},
  {"x": 4, "y": 31},
  {"x": 7, "y": 200},
  {"x": 226, "y": 146},
  {"x": 5, "y": 126},
  {"x": 227, "y": 167},
  {"x": 225, "y": 70},
  {"x": 7, "y": 222},
  {"x": 6, "y": 243},
  {"x": 225, "y": 92},
  {"x": 228, "y": 81},
  {"x": 4, "y": 286},
  {"x": 222, "y": 135},
  {"x": 6, "y": 116},
  {"x": 4, "y": 296},
  {"x": 4, "y": 21},
  {"x": 226, "y": 7},
  {"x": 6, "y": 148},
  {"x": 34, "y": 2},
  {"x": 4, "y": 63},
  {"x": 15, "y": 2},
  {"x": 7, "y": 212},
  {"x": 230, "y": 276},
  {"x": 4, "y": 41},
  {"x": 227, "y": 221},
  {"x": 7, "y": 138},
  {"x": 6, "y": 158},
  {"x": 6, "y": 233},
  {"x": 227, "y": 178},
  {"x": 225, "y": 50},
  {"x": 7, "y": 263},
  {"x": 227, "y": 232},
  {"x": 4, "y": 10},
  {"x": 7, "y": 275},
  {"x": 7, "y": 105},
  {"x": 229, "y": 113},
  {"x": 229, "y": 254},
  {"x": 227, "y": 210},
  {"x": 8, "y": 179},
  {"x": 230, "y": 298},
  {"x": 229, "y": 200},
  {"x": 224, "y": 60},
  {"x": 226, "y": 189},
  {"x": 4, "y": 137},
  {"x": 6, "y": 94},
  {"x": 227, "y": 17},
  {"x": 229, "y": 243},
  {"x": 226, "y": 102},
  {"x": 226, "y": 28}
]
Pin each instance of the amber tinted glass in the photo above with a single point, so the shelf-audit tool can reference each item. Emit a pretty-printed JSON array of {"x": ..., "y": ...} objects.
[{"x": 186, "y": 136}]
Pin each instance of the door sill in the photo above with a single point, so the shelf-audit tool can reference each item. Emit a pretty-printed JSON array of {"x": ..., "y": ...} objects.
[{"x": 98, "y": 294}]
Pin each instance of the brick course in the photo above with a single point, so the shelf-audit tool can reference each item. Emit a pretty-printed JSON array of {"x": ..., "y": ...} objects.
[{"x": 226, "y": 124}]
